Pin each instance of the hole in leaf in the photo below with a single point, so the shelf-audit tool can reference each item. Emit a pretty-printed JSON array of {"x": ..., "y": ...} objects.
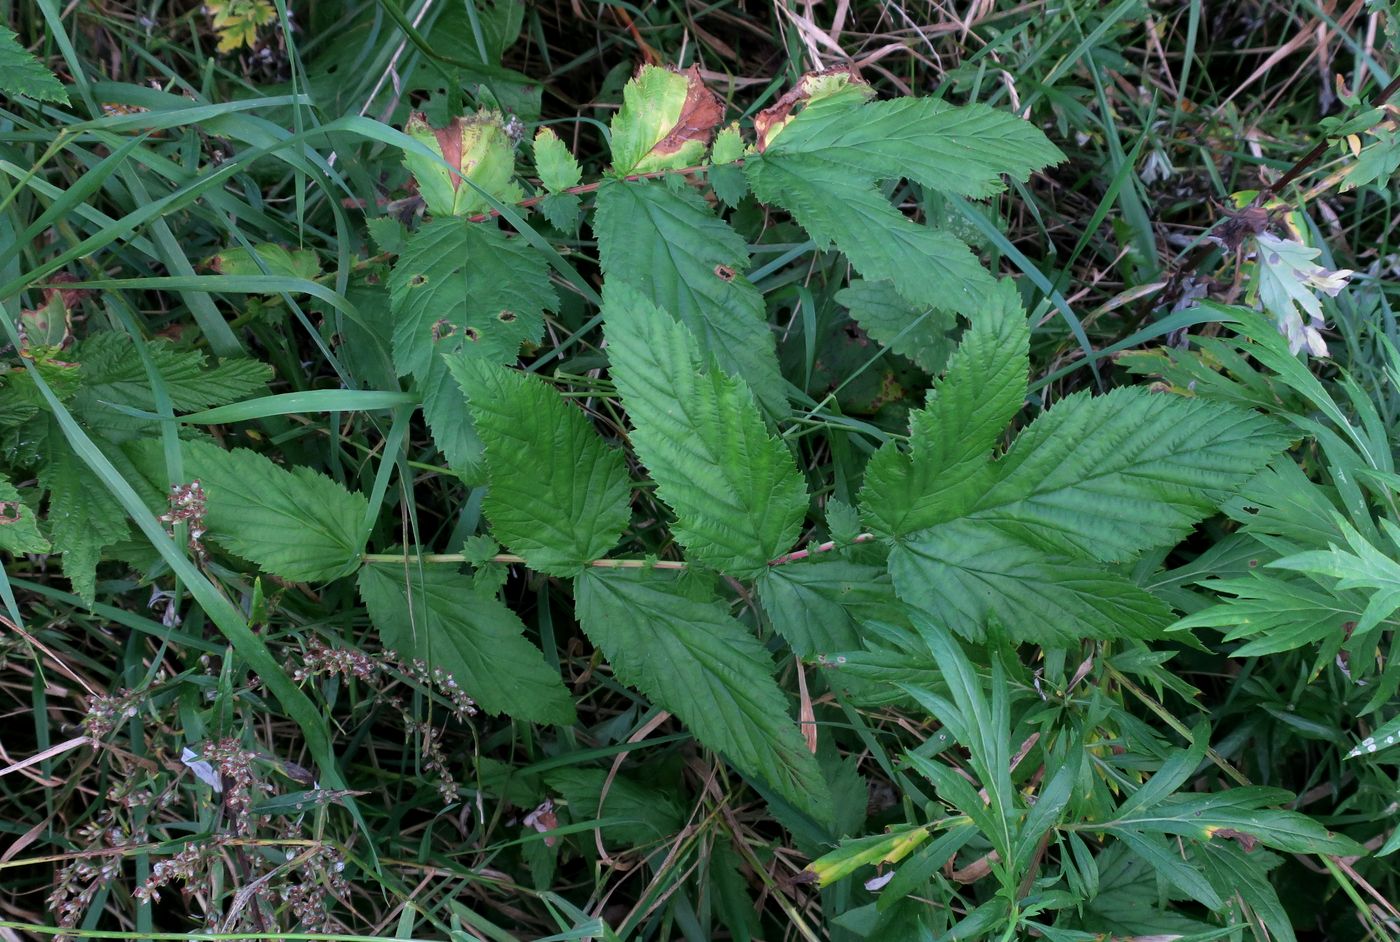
[
  {"x": 472, "y": 334},
  {"x": 724, "y": 272}
]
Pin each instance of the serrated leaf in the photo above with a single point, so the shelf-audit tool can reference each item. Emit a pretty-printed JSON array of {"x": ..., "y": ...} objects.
[
  {"x": 82, "y": 517},
  {"x": 563, "y": 210},
  {"x": 1105, "y": 477},
  {"x": 112, "y": 371},
  {"x": 927, "y": 266},
  {"x": 948, "y": 463},
  {"x": 692, "y": 659},
  {"x": 450, "y": 421},
  {"x": 884, "y": 315},
  {"x": 19, "y": 525},
  {"x": 474, "y": 147},
  {"x": 820, "y": 606},
  {"x": 963, "y": 150},
  {"x": 738, "y": 496},
  {"x": 1274, "y": 614},
  {"x": 640, "y": 815},
  {"x": 558, "y": 495},
  {"x": 557, "y": 168},
  {"x": 466, "y": 287},
  {"x": 297, "y": 523},
  {"x": 673, "y": 249},
  {"x": 963, "y": 575},
  {"x": 23, "y": 75},
  {"x": 665, "y": 122},
  {"x": 436, "y": 615}
]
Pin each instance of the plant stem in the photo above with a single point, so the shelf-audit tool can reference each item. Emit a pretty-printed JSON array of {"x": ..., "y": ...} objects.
[{"x": 442, "y": 558}]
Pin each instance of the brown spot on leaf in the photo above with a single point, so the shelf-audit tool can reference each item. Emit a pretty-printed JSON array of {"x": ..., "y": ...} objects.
[
  {"x": 11, "y": 512},
  {"x": 506, "y": 317},
  {"x": 1247, "y": 841},
  {"x": 724, "y": 272},
  {"x": 774, "y": 117},
  {"x": 450, "y": 140},
  {"x": 418, "y": 281},
  {"x": 701, "y": 113},
  {"x": 472, "y": 334}
]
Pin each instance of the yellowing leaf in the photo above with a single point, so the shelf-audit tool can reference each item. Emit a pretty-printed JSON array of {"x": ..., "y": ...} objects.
[
  {"x": 478, "y": 148},
  {"x": 666, "y": 121}
]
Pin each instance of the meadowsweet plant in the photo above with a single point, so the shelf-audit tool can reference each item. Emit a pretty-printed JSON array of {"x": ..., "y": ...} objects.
[{"x": 441, "y": 500}]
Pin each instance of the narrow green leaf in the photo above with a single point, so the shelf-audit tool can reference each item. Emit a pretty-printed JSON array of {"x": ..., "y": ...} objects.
[
  {"x": 559, "y": 496},
  {"x": 692, "y": 659},
  {"x": 438, "y": 616},
  {"x": 739, "y": 498}
]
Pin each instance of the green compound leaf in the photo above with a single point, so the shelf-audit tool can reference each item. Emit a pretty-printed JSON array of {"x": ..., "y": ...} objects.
[
  {"x": 22, "y": 75},
  {"x": 951, "y": 439},
  {"x": 672, "y": 248},
  {"x": 296, "y": 523},
  {"x": 738, "y": 496},
  {"x": 437, "y": 616},
  {"x": 1093, "y": 480},
  {"x": 692, "y": 659},
  {"x": 466, "y": 287},
  {"x": 558, "y": 495}
]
